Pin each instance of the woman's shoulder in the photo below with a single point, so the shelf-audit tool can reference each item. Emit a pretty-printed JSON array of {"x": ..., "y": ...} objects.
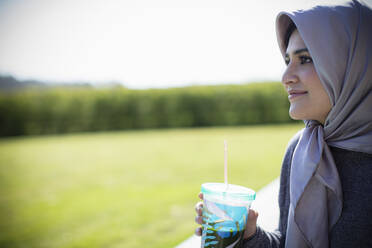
[
  {"x": 290, "y": 149},
  {"x": 293, "y": 141}
]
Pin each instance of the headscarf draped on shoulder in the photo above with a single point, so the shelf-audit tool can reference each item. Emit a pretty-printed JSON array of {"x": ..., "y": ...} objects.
[{"x": 339, "y": 39}]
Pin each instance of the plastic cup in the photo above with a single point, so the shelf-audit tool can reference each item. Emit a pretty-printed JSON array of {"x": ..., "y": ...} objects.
[{"x": 224, "y": 214}]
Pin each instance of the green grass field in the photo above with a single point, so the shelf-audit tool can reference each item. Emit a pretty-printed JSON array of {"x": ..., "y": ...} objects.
[{"x": 124, "y": 189}]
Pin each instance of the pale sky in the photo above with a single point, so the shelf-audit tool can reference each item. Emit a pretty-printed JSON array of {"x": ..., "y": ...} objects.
[{"x": 143, "y": 43}]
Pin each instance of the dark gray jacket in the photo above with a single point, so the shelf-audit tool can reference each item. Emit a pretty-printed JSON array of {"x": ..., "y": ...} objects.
[{"x": 354, "y": 228}]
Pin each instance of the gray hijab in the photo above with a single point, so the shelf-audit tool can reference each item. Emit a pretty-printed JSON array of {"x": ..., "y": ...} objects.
[{"x": 339, "y": 39}]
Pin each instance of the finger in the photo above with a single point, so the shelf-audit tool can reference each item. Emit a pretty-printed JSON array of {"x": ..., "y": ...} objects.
[
  {"x": 251, "y": 225},
  {"x": 252, "y": 217},
  {"x": 199, "y": 219},
  {"x": 253, "y": 214},
  {"x": 198, "y": 231},
  {"x": 199, "y": 208},
  {"x": 201, "y": 196}
]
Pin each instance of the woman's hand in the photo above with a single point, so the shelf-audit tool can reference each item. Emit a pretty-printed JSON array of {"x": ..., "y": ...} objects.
[
  {"x": 199, "y": 215},
  {"x": 250, "y": 228}
]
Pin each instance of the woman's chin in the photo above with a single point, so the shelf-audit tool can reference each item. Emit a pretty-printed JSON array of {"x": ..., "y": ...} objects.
[{"x": 295, "y": 116}]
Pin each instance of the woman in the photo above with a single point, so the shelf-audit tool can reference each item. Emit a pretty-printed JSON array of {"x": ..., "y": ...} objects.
[{"x": 325, "y": 196}]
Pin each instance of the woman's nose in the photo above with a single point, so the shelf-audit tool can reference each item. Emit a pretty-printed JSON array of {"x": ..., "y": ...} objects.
[{"x": 289, "y": 76}]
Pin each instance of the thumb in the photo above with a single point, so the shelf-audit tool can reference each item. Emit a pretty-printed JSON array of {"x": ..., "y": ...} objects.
[{"x": 251, "y": 226}]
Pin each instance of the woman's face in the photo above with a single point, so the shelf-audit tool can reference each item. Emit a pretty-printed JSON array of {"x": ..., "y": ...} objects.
[{"x": 306, "y": 94}]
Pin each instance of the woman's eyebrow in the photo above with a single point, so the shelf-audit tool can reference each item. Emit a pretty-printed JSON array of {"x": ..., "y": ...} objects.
[{"x": 298, "y": 51}]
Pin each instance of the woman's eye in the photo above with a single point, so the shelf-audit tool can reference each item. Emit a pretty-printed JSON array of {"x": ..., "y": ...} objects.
[{"x": 305, "y": 59}]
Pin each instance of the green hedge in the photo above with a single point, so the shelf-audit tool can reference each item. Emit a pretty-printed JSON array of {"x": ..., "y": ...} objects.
[{"x": 63, "y": 110}]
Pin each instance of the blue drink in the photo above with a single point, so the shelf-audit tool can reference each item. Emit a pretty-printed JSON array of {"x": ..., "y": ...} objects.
[{"x": 224, "y": 214}]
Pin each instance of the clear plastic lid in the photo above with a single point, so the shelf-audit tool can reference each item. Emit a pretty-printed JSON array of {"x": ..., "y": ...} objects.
[{"x": 235, "y": 192}]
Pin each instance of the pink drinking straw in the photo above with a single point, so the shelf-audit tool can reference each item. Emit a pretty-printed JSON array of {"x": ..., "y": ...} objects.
[{"x": 227, "y": 185}]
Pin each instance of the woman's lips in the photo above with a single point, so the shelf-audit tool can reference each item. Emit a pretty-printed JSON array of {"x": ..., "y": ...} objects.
[{"x": 296, "y": 93}]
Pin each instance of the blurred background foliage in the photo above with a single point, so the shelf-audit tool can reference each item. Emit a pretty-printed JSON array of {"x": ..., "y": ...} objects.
[{"x": 52, "y": 110}]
